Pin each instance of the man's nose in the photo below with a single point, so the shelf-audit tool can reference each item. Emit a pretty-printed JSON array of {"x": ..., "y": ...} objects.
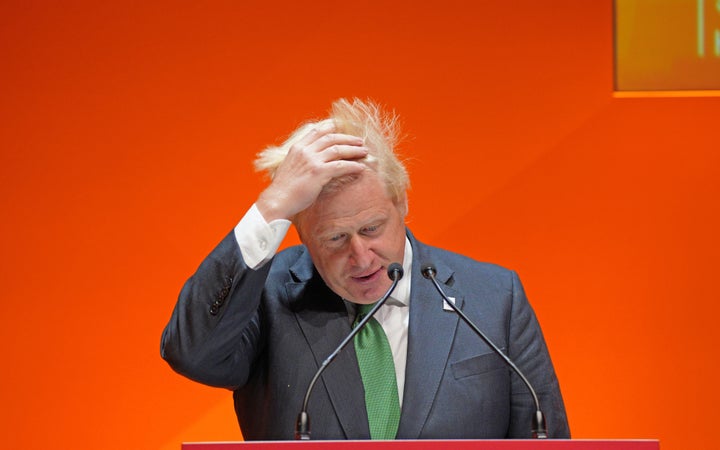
[{"x": 360, "y": 252}]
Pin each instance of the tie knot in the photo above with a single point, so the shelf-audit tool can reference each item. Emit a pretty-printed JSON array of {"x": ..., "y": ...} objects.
[
  {"x": 360, "y": 312},
  {"x": 364, "y": 309}
]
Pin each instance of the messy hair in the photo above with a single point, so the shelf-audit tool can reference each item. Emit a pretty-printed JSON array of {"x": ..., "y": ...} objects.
[{"x": 365, "y": 119}]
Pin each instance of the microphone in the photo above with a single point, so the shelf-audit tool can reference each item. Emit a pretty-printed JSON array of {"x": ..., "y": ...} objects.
[
  {"x": 302, "y": 426},
  {"x": 539, "y": 428}
]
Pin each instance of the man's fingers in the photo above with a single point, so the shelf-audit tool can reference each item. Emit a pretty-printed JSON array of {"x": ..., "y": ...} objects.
[
  {"x": 343, "y": 167},
  {"x": 322, "y": 145},
  {"x": 330, "y": 139},
  {"x": 323, "y": 135},
  {"x": 340, "y": 152},
  {"x": 316, "y": 131}
]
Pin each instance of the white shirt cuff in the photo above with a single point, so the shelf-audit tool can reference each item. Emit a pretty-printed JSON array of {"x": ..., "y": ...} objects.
[{"x": 259, "y": 240}]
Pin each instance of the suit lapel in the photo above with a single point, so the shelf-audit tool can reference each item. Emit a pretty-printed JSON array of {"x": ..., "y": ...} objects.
[
  {"x": 323, "y": 318},
  {"x": 430, "y": 338}
]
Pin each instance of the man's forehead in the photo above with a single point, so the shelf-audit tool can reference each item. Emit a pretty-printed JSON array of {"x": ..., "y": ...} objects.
[{"x": 353, "y": 205}]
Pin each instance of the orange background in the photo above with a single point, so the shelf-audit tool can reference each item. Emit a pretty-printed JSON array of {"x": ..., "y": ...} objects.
[{"x": 127, "y": 132}]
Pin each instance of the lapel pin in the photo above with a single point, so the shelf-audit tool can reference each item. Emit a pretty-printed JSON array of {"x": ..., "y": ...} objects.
[{"x": 447, "y": 307}]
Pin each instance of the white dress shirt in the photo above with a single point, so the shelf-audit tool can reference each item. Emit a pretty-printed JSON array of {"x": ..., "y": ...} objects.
[{"x": 259, "y": 241}]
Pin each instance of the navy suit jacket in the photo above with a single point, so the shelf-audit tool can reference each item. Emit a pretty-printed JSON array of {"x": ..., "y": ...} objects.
[{"x": 263, "y": 334}]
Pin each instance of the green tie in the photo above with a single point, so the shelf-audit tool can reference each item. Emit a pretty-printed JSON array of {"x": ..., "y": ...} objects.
[{"x": 378, "y": 374}]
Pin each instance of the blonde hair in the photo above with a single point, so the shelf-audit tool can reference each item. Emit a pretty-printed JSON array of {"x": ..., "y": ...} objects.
[{"x": 367, "y": 120}]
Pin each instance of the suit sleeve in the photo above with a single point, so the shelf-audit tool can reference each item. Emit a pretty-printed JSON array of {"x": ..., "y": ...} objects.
[
  {"x": 214, "y": 333},
  {"x": 527, "y": 348}
]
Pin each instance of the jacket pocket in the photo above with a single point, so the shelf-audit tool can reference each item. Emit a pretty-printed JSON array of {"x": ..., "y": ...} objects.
[{"x": 477, "y": 365}]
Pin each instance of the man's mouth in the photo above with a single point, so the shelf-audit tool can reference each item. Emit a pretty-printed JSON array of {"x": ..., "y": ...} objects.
[{"x": 367, "y": 278}]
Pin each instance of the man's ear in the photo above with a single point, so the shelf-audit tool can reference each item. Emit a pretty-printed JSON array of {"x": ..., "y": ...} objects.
[{"x": 402, "y": 205}]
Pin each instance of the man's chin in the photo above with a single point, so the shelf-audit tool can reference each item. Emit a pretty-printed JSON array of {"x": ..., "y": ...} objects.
[{"x": 366, "y": 297}]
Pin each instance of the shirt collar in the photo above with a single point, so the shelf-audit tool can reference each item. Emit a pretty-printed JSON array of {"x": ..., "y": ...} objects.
[{"x": 401, "y": 295}]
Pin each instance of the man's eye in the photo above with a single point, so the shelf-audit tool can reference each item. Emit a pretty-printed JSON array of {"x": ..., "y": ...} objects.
[
  {"x": 337, "y": 238},
  {"x": 370, "y": 230}
]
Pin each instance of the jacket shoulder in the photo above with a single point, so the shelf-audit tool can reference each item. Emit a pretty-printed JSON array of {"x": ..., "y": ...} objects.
[{"x": 469, "y": 270}]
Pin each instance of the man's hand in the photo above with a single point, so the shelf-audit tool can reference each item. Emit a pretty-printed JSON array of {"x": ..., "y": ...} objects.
[{"x": 310, "y": 164}]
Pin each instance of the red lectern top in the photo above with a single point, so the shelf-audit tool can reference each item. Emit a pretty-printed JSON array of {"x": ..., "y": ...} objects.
[{"x": 508, "y": 444}]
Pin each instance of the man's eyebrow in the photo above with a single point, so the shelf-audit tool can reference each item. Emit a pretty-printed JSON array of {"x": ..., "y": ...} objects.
[
  {"x": 323, "y": 232},
  {"x": 324, "y": 229}
]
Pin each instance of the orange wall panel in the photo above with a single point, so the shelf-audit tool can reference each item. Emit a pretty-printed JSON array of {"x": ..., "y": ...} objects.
[{"x": 126, "y": 139}]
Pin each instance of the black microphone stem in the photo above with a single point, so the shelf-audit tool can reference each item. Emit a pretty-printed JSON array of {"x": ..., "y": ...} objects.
[{"x": 539, "y": 429}]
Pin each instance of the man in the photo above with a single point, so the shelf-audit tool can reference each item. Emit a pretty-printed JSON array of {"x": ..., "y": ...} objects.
[{"x": 261, "y": 323}]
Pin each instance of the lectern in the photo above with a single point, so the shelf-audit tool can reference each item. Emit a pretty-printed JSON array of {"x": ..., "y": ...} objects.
[{"x": 509, "y": 444}]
